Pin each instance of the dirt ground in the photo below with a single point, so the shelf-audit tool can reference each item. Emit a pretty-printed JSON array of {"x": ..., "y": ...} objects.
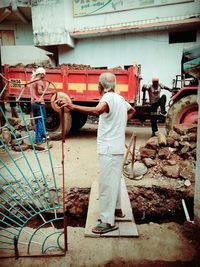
[{"x": 167, "y": 244}]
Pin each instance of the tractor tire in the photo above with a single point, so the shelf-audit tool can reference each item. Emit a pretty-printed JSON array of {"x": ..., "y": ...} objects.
[
  {"x": 183, "y": 111},
  {"x": 54, "y": 125},
  {"x": 78, "y": 120}
]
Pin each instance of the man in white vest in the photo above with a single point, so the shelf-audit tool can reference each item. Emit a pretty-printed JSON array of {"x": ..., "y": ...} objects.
[{"x": 113, "y": 112}]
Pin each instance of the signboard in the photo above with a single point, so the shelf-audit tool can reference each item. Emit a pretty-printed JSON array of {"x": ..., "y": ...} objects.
[{"x": 91, "y": 7}]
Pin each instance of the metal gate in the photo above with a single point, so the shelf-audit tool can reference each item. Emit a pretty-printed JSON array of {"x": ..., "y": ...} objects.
[{"x": 32, "y": 210}]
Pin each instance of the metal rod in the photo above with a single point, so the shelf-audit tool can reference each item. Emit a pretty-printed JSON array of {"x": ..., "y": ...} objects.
[
  {"x": 63, "y": 173},
  {"x": 185, "y": 210}
]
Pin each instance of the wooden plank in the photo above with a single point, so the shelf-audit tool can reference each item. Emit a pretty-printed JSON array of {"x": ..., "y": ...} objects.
[
  {"x": 125, "y": 228},
  {"x": 125, "y": 203}
]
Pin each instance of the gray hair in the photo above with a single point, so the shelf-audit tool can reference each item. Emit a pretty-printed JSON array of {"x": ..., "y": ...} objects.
[{"x": 108, "y": 81}]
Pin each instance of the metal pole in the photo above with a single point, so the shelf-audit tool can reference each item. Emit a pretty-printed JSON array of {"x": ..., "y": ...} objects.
[
  {"x": 197, "y": 177},
  {"x": 2, "y": 104}
]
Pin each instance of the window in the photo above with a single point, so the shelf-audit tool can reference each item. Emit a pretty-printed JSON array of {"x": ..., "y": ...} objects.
[
  {"x": 7, "y": 38},
  {"x": 182, "y": 37}
]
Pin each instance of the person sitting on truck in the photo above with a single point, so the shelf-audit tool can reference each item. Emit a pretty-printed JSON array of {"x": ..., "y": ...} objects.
[
  {"x": 38, "y": 104},
  {"x": 155, "y": 101},
  {"x": 113, "y": 112}
]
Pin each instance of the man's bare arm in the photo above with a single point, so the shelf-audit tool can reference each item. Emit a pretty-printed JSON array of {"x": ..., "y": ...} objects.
[
  {"x": 95, "y": 111},
  {"x": 131, "y": 112}
]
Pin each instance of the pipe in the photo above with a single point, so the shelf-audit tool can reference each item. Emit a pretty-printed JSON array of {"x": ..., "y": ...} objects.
[{"x": 186, "y": 211}]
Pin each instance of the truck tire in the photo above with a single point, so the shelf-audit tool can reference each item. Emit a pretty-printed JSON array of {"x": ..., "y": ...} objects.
[
  {"x": 183, "y": 111},
  {"x": 54, "y": 125},
  {"x": 78, "y": 120}
]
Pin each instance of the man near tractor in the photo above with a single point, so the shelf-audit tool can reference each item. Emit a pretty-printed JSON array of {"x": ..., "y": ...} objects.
[{"x": 155, "y": 101}]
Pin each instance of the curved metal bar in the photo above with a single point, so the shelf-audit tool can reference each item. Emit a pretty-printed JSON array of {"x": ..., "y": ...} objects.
[
  {"x": 43, "y": 251},
  {"x": 24, "y": 156},
  {"x": 28, "y": 251}
]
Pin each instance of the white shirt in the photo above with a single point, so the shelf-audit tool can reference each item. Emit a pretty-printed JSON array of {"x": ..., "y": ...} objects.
[{"x": 112, "y": 125}]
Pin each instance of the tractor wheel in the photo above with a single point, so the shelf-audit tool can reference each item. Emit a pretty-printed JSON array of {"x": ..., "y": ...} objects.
[
  {"x": 184, "y": 110},
  {"x": 54, "y": 125},
  {"x": 78, "y": 120}
]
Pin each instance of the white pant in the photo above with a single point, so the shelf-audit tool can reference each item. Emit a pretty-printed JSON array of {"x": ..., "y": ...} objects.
[{"x": 110, "y": 186}]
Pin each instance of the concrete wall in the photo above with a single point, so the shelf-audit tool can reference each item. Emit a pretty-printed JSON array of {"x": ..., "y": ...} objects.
[
  {"x": 24, "y": 50},
  {"x": 23, "y": 33},
  {"x": 49, "y": 28},
  {"x": 13, "y": 55},
  {"x": 151, "y": 50},
  {"x": 129, "y": 15}
]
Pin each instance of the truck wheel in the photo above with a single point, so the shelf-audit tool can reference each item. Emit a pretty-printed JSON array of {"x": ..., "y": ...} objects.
[
  {"x": 78, "y": 120},
  {"x": 184, "y": 110},
  {"x": 54, "y": 125}
]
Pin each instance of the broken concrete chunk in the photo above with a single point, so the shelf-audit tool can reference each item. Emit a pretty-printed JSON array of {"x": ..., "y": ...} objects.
[
  {"x": 176, "y": 144},
  {"x": 187, "y": 170},
  {"x": 185, "y": 128},
  {"x": 174, "y": 135},
  {"x": 139, "y": 169},
  {"x": 6, "y": 135},
  {"x": 164, "y": 153},
  {"x": 162, "y": 140},
  {"x": 147, "y": 153},
  {"x": 152, "y": 143},
  {"x": 171, "y": 162},
  {"x": 170, "y": 141},
  {"x": 190, "y": 137},
  {"x": 187, "y": 183},
  {"x": 149, "y": 162},
  {"x": 171, "y": 170},
  {"x": 14, "y": 121}
]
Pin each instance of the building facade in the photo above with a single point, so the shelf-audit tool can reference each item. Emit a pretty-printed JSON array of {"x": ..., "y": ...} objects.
[{"x": 100, "y": 33}]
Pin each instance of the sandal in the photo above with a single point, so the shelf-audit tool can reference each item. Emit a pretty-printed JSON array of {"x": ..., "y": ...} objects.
[
  {"x": 119, "y": 213},
  {"x": 102, "y": 229}
]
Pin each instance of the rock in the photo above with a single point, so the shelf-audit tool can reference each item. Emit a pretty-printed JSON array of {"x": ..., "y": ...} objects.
[
  {"x": 16, "y": 143},
  {"x": 185, "y": 128},
  {"x": 184, "y": 149},
  {"x": 174, "y": 135},
  {"x": 176, "y": 143},
  {"x": 171, "y": 162},
  {"x": 139, "y": 169},
  {"x": 162, "y": 140},
  {"x": 17, "y": 134},
  {"x": 187, "y": 170},
  {"x": 190, "y": 137},
  {"x": 193, "y": 145},
  {"x": 152, "y": 143},
  {"x": 13, "y": 121},
  {"x": 23, "y": 146},
  {"x": 6, "y": 135},
  {"x": 149, "y": 162},
  {"x": 164, "y": 153},
  {"x": 170, "y": 141},
  {"x": 21, "y": 125},
  {"x": 171, "y": 171},
  {"x": 187, "y": 183},
  {"x": 147, "y": 153}
]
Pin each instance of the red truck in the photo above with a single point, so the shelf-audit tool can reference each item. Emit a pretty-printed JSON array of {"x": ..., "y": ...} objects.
[{"x": 82, "y": 87}]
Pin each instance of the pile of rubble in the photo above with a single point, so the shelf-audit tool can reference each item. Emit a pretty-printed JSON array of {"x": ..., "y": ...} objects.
[
  {"x": 70, "y": 66},
  {"x": 171, "y": 156},
  {"x": 16, "y": 135}
]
